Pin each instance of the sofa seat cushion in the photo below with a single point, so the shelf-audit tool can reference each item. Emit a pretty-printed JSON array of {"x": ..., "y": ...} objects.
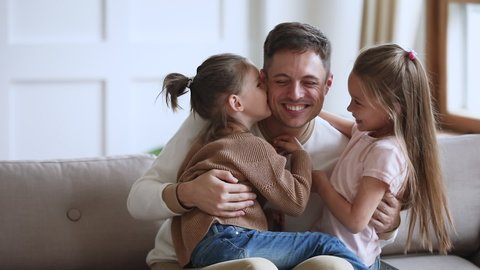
[{"x": 429, "y": 262}]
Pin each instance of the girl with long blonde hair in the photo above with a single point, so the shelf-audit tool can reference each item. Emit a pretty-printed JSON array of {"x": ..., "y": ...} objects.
[{"x": 392, "y": 148}]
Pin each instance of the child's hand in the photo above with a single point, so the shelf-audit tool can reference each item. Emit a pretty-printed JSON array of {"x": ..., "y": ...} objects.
[{"x": 287, "y": 143}]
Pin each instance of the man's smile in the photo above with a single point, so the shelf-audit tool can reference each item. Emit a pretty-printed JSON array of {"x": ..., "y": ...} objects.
[{"x": 295, "y": 107}]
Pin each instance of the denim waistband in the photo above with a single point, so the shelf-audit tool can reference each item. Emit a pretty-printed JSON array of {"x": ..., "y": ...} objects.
[{"x": 218, "y": 228}]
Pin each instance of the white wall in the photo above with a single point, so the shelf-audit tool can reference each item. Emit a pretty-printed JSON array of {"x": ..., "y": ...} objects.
[{"x": 80, "y": 78}]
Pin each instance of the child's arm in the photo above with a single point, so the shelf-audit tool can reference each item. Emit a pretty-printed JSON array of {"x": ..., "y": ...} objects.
[
  {"x": 356, "y": 215},
  {"x": 343, "y": 125}
]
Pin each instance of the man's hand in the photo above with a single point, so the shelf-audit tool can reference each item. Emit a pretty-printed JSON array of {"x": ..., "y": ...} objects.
[
  {"x": 217, "y": 193},
  {"x": 386, "y": 217}
]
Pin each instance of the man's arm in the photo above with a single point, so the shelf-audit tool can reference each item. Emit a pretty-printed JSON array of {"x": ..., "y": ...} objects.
[
  {"x": 156, "y": 195},
  {"x": 145, "y": 200}
]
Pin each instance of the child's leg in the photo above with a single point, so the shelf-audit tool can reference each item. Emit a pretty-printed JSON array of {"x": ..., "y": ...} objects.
[
  {"x": 288, "y": 249},
  {"x": 284, "y": 249}
]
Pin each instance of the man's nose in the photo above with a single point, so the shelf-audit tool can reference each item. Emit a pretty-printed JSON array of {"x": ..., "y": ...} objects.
[{"x": 295, "y": 92}]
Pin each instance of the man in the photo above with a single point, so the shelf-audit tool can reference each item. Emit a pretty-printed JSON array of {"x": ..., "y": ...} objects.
[{"x": 297, "y": 75}]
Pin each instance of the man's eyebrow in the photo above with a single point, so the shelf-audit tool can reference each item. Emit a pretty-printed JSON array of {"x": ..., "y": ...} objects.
[
  {"x": 280, "y": 75},
  {"x": 311, "y": 77},
  {"x": 284, "y": 75}
]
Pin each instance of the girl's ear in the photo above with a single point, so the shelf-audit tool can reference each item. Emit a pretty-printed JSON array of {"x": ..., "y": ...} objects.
[{"x": 235, "y": 103}]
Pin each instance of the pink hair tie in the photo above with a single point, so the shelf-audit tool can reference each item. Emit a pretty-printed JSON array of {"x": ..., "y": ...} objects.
[{"x": 412, "y": 55}]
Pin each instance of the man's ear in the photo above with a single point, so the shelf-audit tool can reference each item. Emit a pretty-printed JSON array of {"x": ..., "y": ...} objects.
[
  {"x": 328, "y": 83},
  {"x": 235, "y": 103},
  {"x": 263, "y": 76}
]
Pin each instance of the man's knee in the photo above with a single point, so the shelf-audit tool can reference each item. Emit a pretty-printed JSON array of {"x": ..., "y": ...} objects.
[
  {"x": 259, "y": 264},
  {"x": 324, "y": 262},
  {"x": 243, "y": 264}
]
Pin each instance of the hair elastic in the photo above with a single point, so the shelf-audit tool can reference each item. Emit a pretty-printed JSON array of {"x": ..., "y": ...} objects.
[
  {"x": 190, "y": 80},
  {"x": 412, "y": 55}
]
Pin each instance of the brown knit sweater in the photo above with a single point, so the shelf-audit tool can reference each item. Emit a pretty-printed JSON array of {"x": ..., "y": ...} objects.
[{"x": 255, "y": 162}]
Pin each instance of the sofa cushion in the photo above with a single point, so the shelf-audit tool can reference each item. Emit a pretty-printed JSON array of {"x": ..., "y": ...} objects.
[
  {"x": 460, "y": 163},
  {"x": 71, "y": 214},
  {"x": 430, "y": 262}
]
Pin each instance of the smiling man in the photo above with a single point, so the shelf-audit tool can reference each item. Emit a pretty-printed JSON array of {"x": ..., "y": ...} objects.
[{"x": 297, "y": 75}]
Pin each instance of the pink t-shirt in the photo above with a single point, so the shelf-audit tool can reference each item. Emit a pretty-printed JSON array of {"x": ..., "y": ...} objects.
[{"x": 364, "y": 156}]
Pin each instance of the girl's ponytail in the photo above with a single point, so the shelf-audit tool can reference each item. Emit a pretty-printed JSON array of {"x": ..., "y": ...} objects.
[{"x": 175, "y": 85}]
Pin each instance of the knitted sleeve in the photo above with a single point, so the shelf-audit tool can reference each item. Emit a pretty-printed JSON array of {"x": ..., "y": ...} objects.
[
  {"x": 252, "y": 159},
  {"x": 265, "y": 170}
]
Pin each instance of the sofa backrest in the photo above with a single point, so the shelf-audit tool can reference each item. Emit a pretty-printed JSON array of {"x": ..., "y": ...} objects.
[
  {"x": 72, "y": 214},
  {"x": 460, "y": 161}
]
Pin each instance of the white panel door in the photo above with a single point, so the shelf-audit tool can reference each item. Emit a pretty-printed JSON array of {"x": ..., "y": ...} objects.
[{"x": 81, "y": 78}]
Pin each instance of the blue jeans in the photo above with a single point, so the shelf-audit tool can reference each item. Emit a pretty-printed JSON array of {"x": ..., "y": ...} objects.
[{"x": 284, "y": 249}]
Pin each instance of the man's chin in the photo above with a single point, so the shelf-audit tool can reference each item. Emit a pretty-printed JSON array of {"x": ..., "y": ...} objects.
[
  {"x": 295, "y": 123},
  {"x": 287, "y": 121}
]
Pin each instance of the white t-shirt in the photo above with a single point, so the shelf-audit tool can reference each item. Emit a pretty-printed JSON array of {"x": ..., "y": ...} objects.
[
  {"x": 145, "y": 199},
  {"x": 364, "y": 156}
]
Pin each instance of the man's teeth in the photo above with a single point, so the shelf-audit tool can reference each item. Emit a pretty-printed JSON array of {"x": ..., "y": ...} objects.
[{"x": 295, "y": 107}]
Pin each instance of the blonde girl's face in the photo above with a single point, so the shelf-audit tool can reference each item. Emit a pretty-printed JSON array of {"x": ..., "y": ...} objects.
[
  {"x": 254, "y": 96},
  {"x": 369, "y": 116}
]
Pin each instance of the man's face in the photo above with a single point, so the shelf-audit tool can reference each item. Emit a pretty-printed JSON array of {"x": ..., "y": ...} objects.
[{"x": 297, "y": 84}]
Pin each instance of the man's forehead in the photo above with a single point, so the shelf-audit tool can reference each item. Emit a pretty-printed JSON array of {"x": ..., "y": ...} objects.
[{"x": 293, "y": 64}]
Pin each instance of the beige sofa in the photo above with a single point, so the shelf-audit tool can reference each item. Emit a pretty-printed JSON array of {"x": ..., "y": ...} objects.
[{"x": 71, "y": 214}]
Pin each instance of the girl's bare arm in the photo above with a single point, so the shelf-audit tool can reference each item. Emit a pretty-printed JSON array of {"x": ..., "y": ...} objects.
[{"x": 342, "y": 124}]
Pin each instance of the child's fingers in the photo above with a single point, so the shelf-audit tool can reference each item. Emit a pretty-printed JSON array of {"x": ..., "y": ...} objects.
[{"x": 285, "y": 138}]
